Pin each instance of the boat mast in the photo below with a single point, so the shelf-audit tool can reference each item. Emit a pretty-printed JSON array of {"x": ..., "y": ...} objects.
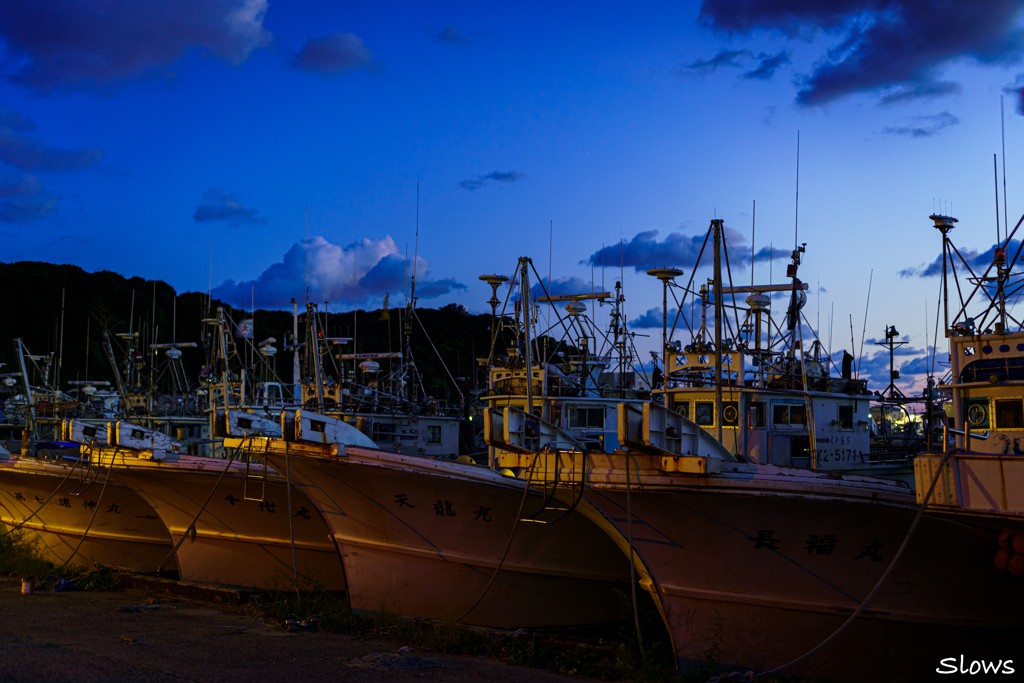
[
  {"x": 121, "y": 389},
  {"x": 29, "y": 401},
  {"x": 313, "y": 347},
  {"x": 296, "y": 373},
  {"x": 666, "y": 275},
  {"x": 717, "y": 226},
  {"x": 223, "y": 354},
  {"x": 524, "y": 294},
  {"x": 944, "y": 224}
]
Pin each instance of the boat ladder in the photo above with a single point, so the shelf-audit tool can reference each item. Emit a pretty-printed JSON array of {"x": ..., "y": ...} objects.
[
  {"x": 257, "y": 474},
  {"x": 574, "y": 486}
]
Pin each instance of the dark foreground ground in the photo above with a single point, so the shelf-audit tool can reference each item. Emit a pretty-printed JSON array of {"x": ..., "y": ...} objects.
[{"x": 81, "y": 636}]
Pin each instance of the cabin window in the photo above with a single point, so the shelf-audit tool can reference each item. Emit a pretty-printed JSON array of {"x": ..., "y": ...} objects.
[
  {"x": 434, "y": 434},
  {"x": 704, "y": 413},
  {"x": 789, "y": 414},
  {"x": 845, "y": 417},
  {"x": 977, "y": 413},
  {"x": 755, "y": 414},
  {"x": 730, "y": 414},
  {"x": 586, "y": 418},
  {"x": 1010, "y": 414}
]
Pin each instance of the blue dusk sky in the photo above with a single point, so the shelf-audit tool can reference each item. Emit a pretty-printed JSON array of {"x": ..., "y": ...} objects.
[{"x": 135, "y": 136}]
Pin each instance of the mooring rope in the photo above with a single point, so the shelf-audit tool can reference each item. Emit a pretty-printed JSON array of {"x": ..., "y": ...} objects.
[
  {"x": 519, "y": 515},
  {"x": 885, "y": 575},
  {"x": 93, "y": 518},
  {"x": 192, "y": 526}
]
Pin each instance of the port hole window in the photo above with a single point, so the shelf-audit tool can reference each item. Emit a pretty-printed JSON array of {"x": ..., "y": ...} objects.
[
  {"x": 704, "y": 413},
  {"x": 433, "y": 434},
  {"x": 845, "y": 421},
  {"x": 977, "y": 413},
  {"x": 789, "y": 414},
  {"x": 683, "y": 409},
  {"x": 1010, "y": 414},
  {"x": 755, "y": 414},
  {"x": 586, "y": 418},
  {"x": 730, "y": 414}
]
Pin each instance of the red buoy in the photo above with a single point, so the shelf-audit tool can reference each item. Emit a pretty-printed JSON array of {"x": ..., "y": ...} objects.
[
  {"x": 1016, "y": 565},
  {"x": 1005, "y": 538}
]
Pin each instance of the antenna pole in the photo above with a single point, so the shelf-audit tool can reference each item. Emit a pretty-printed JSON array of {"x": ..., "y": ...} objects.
[
  {"x": 753, "y": 234},
  {"x": 864, "y": 329},
  {"x": 416, "y": 245},
  {"x": 544, "y": 360},
  {"x": 307, "y": 255},
  {"x": 1002, "y": 119},
  {"x": 60, "y": 353},
  {"x": 995, "y": 175},
  {"x": 796, "y": 217}
]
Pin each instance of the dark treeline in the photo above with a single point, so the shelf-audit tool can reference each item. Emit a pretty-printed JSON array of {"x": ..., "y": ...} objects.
[{"x": 30, "y": 308}]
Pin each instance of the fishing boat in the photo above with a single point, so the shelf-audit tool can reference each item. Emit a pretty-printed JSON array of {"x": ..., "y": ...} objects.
[
  {"x": 71, "y": 510},
  {"x": 757, "y": 564},
  {"x": 231, "y": 522},
  {"x": 391, "y": 408},
  {"x": 573, "y": 381},
  {"x": 980, "y": 469},
  {"x": 74, "y": 513},
  {"x": 761, "y": 395},
  {"x": 433, "y": 538},
  {"x": 818, "y": 573}
]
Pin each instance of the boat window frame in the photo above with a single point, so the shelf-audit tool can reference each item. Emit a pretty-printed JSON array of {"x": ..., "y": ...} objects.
[
  {"x": 757, "y": 415},
  {"x": 433, "y": 430},
  {"x": 985, "y": 403},
  {"x": 840, "y": 427},
  {"x": 732, "y": 423},
  {"x": 994, "y": 413},
  {"x": 574, "y": 412},
  {"x": 789, "y": 404},
  {"x": 697, "y": 416}
]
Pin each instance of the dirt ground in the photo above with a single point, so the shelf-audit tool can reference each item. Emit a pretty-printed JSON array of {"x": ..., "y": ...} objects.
[{"x": 81, "y": 636}]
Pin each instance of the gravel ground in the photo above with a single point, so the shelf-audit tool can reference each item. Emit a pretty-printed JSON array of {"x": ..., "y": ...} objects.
[{"x": 81, "y": 636}]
